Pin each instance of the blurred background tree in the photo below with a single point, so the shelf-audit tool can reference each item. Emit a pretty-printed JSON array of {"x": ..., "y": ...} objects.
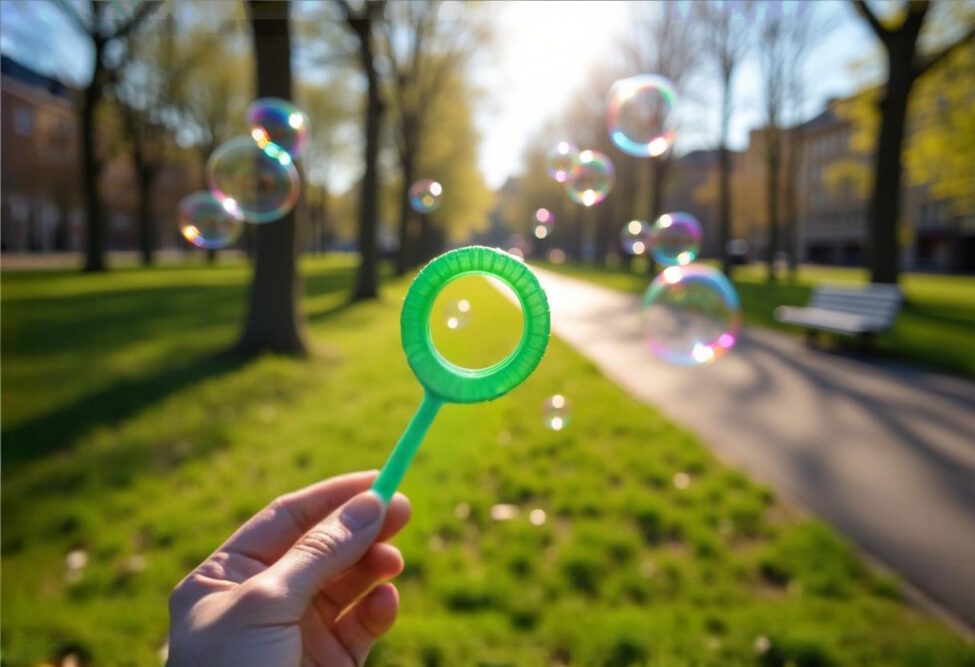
[
  {"x": 427, "y": 55},
  {"x": 103, "y": 29},
  {"x": 726, "y": 39},
  {"x": 907, "y": 61}
]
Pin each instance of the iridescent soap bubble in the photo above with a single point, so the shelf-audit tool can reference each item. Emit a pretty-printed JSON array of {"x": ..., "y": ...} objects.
[
  {"x": 594, "y": 180},
  {"x": 556, "y": 412},
  {"x": 277, "y": 121},
  {"x": 675, "y": 239},
  {"x": 261, "y": 182},
  {"x": 640, "y": 115},
  {"x": 635, "y": 237},
  {"x": 457, "y": 313},
  {"x": 426, "y": 196},
  {"x": 207, "y": 221},
  {"x": 563, "y": 161},
  {"x": 691, "y": 315}
]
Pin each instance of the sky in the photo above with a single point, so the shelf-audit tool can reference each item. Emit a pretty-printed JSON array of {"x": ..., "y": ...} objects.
[{"x": 544, "y": 51}]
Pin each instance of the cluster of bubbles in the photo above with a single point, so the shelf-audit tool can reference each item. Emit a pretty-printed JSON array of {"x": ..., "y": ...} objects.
[
  {"x": 250, "y": 178},
  {"x": 691, "y": 313}
]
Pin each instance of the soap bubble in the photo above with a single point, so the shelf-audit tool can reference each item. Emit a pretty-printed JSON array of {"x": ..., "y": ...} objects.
[
  {"x": 675, "y": 239},
  {"x": 594, "y": 180},
  {"x": 207, "y": 221},
  {"x": 640, "y": 115},
  {"x": 691, "y": 315},
  {"x": 261, "y": 182},
  {"x": 563, "y": 161},
  {"x": 426, "y": 196},
  {"x": 556, "y": 411},
  {"x": 277, "y": 121},
  {"x": 457, "y": 313},
  {"x": 635, "y": 237}
]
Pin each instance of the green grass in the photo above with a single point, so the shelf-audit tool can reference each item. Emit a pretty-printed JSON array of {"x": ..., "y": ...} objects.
[
  {"x": 126, "y": 436},
  {"x": 935, "y": 328}
]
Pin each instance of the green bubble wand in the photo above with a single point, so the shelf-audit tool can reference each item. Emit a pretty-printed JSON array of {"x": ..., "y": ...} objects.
[{"x": 444, "y": 382}]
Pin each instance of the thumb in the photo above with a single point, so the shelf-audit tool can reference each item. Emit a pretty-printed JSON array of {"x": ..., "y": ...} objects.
[{"x": 330, "y": 548}]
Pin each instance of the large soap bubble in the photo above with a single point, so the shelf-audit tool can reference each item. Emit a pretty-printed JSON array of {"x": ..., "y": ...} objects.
[
  {"x": 261, "y": 182},
  {"x": 640, "y": 115},
  {"x": 691, "y": 315}
]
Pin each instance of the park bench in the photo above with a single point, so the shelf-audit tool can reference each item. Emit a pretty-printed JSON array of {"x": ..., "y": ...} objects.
[{"x": 848, "y": 311}]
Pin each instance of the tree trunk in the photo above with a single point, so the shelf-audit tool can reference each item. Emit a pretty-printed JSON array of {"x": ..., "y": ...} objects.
[
  {"x": 95, "y": 242},
  {"x": 367, "y": 282},
  {"x": 772, "y": 194},
  {"x": 147, "y": 228},
  {"x": 274, "y": 316},
  {"x": 885, "y": 201},
  {"x": 724, "y": 177},
  {"x": 791, "y": 240},
  {"x": 404, "y": 257}
]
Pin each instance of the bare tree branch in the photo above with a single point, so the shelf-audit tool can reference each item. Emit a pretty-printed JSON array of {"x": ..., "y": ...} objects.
[
  {"x": 144, "y": 10},
  {"x": 864, "y": 10}
]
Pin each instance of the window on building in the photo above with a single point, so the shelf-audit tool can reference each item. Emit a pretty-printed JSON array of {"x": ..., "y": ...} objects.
[{"x": 24, "y": 121}]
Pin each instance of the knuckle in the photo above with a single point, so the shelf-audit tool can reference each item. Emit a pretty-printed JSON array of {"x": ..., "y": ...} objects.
[
  {"x": 324, "y": 540},
  {"x": 262, "y": 589}
]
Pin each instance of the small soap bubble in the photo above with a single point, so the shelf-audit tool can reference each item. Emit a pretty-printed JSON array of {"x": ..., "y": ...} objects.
[
  {"x": 426, "y": 196},
  {"x": 462, "y": 511},
  {"x": 691, "y": 315},
  {"x": 640, "y": 115},
  {"x": 594, "y": 179},
  {"x": 207, "y": 221},
  {"x": 556, "y": 411},
  {"x": 258, "y": 184},
  {"x": 675, "y": 239},
  {"x": 682, "y": 481},
  {"x": 277, "y": 121},
  {"x": 761, "y": 644},
  {"x": 457, "y": 314},
  {"x": 563, "y": 161},
  {"x": 635, "y": 237},
  {"x": 537, "y": 517}
]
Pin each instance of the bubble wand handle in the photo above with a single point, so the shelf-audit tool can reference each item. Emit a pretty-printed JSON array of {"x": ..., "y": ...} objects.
[{"x": 399, "y": 461}]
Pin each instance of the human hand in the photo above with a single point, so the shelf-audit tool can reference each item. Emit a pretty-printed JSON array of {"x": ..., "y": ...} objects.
[{"x": 287, "y": 588}]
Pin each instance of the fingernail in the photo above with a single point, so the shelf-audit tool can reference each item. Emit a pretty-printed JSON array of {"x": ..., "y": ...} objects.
[{"x": 362, "y": 511}]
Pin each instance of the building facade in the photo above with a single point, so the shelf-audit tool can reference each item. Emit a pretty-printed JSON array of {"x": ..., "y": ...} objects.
[{"x": 41, "y": 201}]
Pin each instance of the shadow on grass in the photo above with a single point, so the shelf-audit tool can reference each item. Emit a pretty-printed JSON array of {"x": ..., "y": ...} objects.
[
  {"x": 96, "y": 332},
  {"x": 63, "y": 427}
]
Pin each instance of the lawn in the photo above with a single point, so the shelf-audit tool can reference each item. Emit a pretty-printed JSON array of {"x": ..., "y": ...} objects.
[
  {"x": 935, "y": 327},
  {"x": 129, "y": 440}
]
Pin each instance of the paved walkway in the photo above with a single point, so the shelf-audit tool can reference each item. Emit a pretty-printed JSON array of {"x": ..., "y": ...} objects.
[{"x": 884, "y": 453}]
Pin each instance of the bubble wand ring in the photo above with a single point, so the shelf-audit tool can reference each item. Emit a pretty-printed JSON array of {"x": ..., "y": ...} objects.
[{"x": 445, "y": 382}]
